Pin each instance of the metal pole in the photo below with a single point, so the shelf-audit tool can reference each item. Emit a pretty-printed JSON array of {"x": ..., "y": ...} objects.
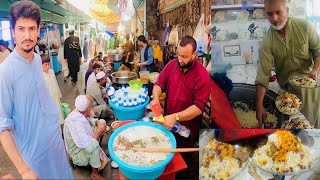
[
  {"x": 49, "y": 52},
  {"x": 145, "y": 19}
]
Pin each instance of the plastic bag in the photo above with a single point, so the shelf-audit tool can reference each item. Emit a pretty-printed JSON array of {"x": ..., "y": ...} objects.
[
  {"x": 128, "y": 11},
  {"x": 66, "y": 110},
  {"x": 174, "y": 36},
  {"x": 201, "y": 36}
]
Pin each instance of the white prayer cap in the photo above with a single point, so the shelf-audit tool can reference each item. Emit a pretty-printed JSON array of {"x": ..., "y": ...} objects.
[
  {"x": 82, "y": 103},
  {"x": 100, "y": 75}
]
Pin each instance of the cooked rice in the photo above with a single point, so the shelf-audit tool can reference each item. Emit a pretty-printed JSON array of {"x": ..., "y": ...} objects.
[
  {"x": 141, "y": 136},
  {"x": 297, "y": 123},
  {"x": 288, "y": 103},
  {"x": 288, "y": 156},
  {"x": 248, "y": 119},
  {"x": 304, "y": 81},
  {"x": 219, "y": 161}
]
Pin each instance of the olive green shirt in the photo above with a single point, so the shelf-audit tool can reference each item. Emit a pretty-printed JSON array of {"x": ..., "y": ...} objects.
[{"x": 294, "y": 55}]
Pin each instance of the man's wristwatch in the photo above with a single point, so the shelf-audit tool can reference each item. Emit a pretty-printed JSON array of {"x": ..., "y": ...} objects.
[{"x": 177, "y": 117}]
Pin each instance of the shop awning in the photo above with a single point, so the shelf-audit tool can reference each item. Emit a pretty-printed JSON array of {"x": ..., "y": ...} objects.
[
  {"x": 107, "y": 11},
  {"x": 100, "y": 11}
]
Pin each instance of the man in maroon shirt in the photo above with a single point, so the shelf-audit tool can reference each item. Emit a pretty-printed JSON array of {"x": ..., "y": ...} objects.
[{"x": 187, "y": 84}]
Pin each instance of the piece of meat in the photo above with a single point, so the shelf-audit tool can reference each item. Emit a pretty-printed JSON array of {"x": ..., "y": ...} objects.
[
  {"x": 273, "y": 149},
  {"x": 241, "y": 154}
]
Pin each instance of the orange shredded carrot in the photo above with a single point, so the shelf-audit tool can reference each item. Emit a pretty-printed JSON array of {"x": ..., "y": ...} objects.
[{"x": 288, "y": 142}]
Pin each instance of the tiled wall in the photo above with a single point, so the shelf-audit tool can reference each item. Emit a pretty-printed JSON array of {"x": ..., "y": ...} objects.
[
  {"x": 246, "y": 73},
  {"x": 237, "y": 35}
]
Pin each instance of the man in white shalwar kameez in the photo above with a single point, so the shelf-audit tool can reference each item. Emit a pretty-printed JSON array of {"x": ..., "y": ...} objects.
[
  {"x": 52, "y": 85},
  {"x": 29, "y": 121},
  {"x": 81, "y": 141}
]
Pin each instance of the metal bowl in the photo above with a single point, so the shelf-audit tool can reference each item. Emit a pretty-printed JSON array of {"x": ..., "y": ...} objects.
[
  {"x": 123, "y": 77},
  {"x": 116, "y": 57}
]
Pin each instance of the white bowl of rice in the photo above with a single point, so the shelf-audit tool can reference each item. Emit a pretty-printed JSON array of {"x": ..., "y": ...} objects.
[
  {"x": 222, "y": 161},
  {"x": 302, "y": 80},
  {"x": 284, "y": 154},
  {"x": 288, "y": 103}
]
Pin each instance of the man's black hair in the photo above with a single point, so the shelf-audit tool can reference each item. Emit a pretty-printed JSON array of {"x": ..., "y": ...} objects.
[
  {"x": 24, "y": 9},
  {"x": 96, "y": 66},
  {"x": 142, "y": 38},
  {"x": 45, "y": 58},
  {"x": 185, "y": 40}
]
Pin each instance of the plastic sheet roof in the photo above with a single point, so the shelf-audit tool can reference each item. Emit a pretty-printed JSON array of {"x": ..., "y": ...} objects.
[{"x": 106, "y": 11}]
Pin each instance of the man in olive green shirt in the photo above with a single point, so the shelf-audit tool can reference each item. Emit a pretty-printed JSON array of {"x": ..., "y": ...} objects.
[{"x": 291, "y": 45}]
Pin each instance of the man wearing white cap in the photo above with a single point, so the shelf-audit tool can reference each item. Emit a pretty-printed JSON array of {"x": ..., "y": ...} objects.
[
  {"x": 101, "y": 109},
  {"x": 81, "y": 141}
]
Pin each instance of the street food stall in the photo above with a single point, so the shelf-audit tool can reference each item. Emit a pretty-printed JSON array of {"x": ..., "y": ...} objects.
[{"x": 238, "y": 28}]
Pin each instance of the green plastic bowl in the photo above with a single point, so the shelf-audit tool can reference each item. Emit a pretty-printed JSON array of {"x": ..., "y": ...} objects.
[{"x": 135, "y": 84}]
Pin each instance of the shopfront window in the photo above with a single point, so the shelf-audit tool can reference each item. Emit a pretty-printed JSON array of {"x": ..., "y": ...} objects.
[
  {"x": 313, "y": 13},
  {"x": 5, "y": 29}
]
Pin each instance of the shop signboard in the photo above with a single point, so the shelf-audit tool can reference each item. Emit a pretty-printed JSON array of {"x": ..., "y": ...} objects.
[
  {"x": 53, "y": 32},
  {"x": 168, "y": 5}
]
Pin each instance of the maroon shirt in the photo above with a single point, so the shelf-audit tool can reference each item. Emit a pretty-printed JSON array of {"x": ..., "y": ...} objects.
[{"x": 184, "y": 90}]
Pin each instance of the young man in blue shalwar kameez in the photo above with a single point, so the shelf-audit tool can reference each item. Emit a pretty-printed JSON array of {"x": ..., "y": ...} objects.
[{"x": 29, "y": 123}]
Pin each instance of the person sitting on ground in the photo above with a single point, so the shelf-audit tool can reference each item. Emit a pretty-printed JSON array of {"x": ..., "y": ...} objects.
[
  {"x": 52, "y": 85},
  {"x": 100, "y": 58},
  {"x": 110, "y": 69},
  {"x": 92, "y": 78},
  {"x": 89, "y": 71},
  {"x": 98, "y": 93},
  {"x": 81, "y": 141}
]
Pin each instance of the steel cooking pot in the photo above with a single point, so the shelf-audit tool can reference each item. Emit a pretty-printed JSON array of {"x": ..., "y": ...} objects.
[
  {"x": 123, "y": 77},
  {"x": 246, "y": 93},
  {"x": 116, "y": 57}
]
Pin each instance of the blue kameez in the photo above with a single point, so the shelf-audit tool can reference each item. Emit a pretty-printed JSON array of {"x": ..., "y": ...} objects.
[{"x": 27, "y": 109}]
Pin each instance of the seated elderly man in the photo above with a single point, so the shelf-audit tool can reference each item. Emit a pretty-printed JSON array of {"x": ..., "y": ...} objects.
[
  {"x": 81, "y": 141},
  {"x": 98, "y": 93}
]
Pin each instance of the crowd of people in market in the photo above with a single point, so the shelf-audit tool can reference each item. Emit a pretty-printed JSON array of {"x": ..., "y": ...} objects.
[
  {"x": 31, "y": 146},
  {"x": 37, "y": 136}
]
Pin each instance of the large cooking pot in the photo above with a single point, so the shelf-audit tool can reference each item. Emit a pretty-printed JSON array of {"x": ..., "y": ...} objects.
[
  {"x": 246, "y": 93},
  {"x": 116, "y": 57},
  {"x": 123, "y": 77}
]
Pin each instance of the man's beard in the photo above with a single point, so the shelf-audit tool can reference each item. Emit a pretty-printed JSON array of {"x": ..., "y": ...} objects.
[
  {"x": 281, "y": 26},
  {"x": 186, "y": 66},
  {"x": 27, "y": 50}
]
